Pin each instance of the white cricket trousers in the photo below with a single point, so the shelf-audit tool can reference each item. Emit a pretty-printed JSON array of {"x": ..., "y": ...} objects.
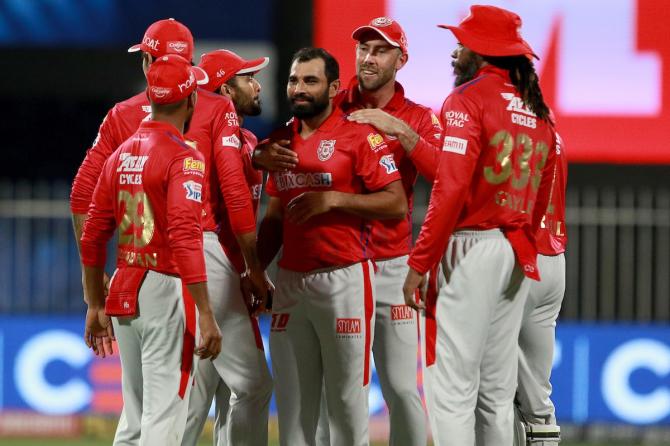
[
  {"x": 321, "y": 335},
  {"x": 471, "y": 379},
  {"x": 536, "y": 341},
  {"x": 239, "y": 376},
  {"x": 156, "y": 347}
]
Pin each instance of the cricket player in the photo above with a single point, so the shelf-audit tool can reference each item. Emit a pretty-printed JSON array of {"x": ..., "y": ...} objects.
[
  {"x": 489, "y": 196},
  {"x": 413, "y": 135},
  {"x": 214, "y": 131},
  {"x": 151, "y": 189},
  {"x": 322, "y": 321},
  {"x": 239, "y": 377},
  {"x": 534, "y": 409}
]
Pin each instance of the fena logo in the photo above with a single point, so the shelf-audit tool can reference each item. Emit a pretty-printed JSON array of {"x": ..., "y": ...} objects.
[
  {"x": 193, "y": 191},
  {"x": 376, "y": 141},
  {"x": 151, "y": 43},
  {"x": 194, "y": 166},
  {"x": 177, "y": 46},
  {"x": 348, "y": 325}
]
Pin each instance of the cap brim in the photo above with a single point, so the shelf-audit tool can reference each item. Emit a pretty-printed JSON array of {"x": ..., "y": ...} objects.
[
  {"x": 254, "y": 66},
  {"x": 361, "y": 29},
  {"x": 201, "y": 77},
  {"x": 135, "y": 48},
  {"x": 485, "y": 47}
]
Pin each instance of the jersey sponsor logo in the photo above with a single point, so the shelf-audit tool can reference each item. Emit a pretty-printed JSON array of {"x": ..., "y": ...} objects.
[
  {"x": 455, "y": 118},
  {"x": 376, "y": 142},
  {"x": 130, "y": 178},
  {"x": 161, "y": 92},
  {"x": 401, "y": 313},
  {"x": 348, "y": 325},
  {"x": 279, "y": 321},
  {"x": 382, "y": 21},
  {"x": 194, "y": 166},
  {"x": 232, "y": 119},
  {"x": 388, "y": 163},
  {"x": 151, "y": 43},
  {"x": 146, "y": 108},
  {"x": 221, "y": 73},
  {"x": 132, "y": 163},
  {"x": 231, "y": 141},
  {"x": 292, "y": 180},
  {"x": 516, "y": 104},
  {"x": 193, "y": 191},
  {"x": 326, "y": 149},
  {"x": 187, "y": 84},
  {"x": 523, "y": 120},
  {"x": 455, "y": 145},
  {"x": 177, "y": 46}
]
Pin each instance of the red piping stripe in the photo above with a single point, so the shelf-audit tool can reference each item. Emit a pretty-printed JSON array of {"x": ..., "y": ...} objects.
[
  {"x": 188, "y": 345},
  {"x": 431, "y": 324},
  {"x": 369, "y": 304}
]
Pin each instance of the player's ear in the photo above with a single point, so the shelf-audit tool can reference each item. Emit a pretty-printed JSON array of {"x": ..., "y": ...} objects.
[
  {"x": 401, "y": 61},
  {"x": 192, "y": 99},
  {"x": 333, "y": 88}
]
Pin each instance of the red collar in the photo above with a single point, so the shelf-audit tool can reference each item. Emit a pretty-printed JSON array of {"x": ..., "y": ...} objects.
[
  {"x": 491, "y": 69},
  {"x": 353, "y": 96},
  {"x": 160, "y": 125}
]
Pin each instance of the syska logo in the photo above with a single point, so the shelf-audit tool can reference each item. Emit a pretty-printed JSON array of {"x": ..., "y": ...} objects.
[
  {"x": 291, "y": 180},
  {"x": 151, "y": 43},
  {"x": 348, "y": 326},
  {"x": 132, "y": 163},
  {"x": 177, "y": 46},
  {"x": 188, "y": 84}
]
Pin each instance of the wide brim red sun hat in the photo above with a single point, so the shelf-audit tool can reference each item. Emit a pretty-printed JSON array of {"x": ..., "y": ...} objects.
[
  {"x": 388, "y": 29},
  {"x": 492, "y": 31},
  {"x": 172, "y": 78},
  {"x": 221, "y": 65},
  {"x": 166, "y": 37}
]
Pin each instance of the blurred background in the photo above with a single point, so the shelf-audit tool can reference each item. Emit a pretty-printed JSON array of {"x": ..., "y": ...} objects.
[{"x": 604, "y": 68}]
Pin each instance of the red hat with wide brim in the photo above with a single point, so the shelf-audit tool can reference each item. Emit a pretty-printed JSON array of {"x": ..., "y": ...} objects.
[{"x": 492, "y": 31}]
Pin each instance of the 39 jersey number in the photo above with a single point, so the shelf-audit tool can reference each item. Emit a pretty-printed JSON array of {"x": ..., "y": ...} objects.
[
  {"x": 138, "y": 215},
  {"x": 503, "y": 169}
]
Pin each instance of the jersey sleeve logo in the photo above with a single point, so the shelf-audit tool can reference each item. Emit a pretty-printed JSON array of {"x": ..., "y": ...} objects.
[
  {"x": 388, "y": 163},
  {"x": 455, "y": 118},
  {"x": 326, "y": 149},
  {"x": 194, "y": 167},
  {"x": 455, "y": 145},
  {"x": 231, "y": 141},
  {"x": 376, "y": 142},
  {"x": 193, "y": 191}
]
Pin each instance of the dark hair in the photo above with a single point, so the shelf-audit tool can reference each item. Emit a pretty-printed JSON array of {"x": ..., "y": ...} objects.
[
  {"x": 523, "y": 76},
  {"x": 332, "y": 68}
]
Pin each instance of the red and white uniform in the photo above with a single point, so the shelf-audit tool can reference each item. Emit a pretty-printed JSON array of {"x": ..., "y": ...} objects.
[
  {"x": 396, "y": 341},
  {"x": 322, "y": 312},
  {"x": 495, "y": 172},
  {"x": 151, "y": 190},
  {"x": 538, "y": 327}
]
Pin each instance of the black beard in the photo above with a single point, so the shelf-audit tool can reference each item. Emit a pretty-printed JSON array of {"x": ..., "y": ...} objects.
[
  {"x": 314, "y": 107},
  {"x": 251, "y": 108},
  {"x": 465, "y": 71}
]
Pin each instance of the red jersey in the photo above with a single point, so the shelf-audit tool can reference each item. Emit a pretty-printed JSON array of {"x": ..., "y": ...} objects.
[
  {"x": 393, "y": 238},
  {"x": 495, "y": 170},
  {"x": 341, "y": 156},
  {"x": 151, "y": 189},
  {"x": 214, "y": 131},
  {"x": 254, "y": 180},
  {"x": 551, "y": 237}
]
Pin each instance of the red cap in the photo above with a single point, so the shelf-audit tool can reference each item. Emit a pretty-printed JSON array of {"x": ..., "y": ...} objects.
[
  {"x": 221, "y": 65},
  {"x": 172, "y": 78},
  {"x": 492, "y": 31},
  {"x": 166, "y": 37},
  {"x": 388, "y": 29}
]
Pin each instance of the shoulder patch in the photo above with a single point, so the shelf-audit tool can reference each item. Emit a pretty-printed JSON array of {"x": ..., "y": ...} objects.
[
  {"x": 455, "y": 145},
  {"x": 388, "y": 163}
]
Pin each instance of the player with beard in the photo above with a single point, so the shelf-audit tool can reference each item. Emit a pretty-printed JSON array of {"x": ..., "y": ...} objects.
[
  {"x": 318, "y": 214},
  {"x": 239, "y": 377},
  {"x": 489, "y": 196},
  {"x": 150, "y": 188}
]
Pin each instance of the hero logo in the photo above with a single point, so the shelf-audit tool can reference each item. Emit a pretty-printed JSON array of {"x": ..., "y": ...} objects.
[
  {"x": 456, "y": 118},
  {"x": 193, "y": 191},
  {"x": 161, "y": 92},
  {"x": 230, "y": 141},
  {"x": 291, "y": 180},
  {"x": 221, "y": 73},
  {"x": 188, "y": 84},
  {"x": 177, "y": 46},
  {"x": 401, "y": 313},
  {"x": 348, "y": 325},
  {"x": 376, "y": 141},
  {"x": 132, "y": 163},
  {"x": 388, "y": 163},
  {"x": 455, "y": 145},
  {"x": 151, "y": 43},
  {"x": 326, "y": 149}
]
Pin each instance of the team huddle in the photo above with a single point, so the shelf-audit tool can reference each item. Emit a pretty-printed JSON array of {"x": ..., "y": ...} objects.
[{"x": 173, "y": 171}]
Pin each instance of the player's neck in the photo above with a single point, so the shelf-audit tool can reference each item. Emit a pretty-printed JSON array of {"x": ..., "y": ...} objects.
[
  {"x": 377, "y": 98},
  {"x": 176, "y": 120},
  {"x": 309, "y": 125}
]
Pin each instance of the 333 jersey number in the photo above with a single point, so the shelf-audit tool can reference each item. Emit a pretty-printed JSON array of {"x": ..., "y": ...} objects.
[
  {"x": 503, "y": 169},
  {"x": 137, "y": 225}
]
